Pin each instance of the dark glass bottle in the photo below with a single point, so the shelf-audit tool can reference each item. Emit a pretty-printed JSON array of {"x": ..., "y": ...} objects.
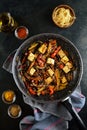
[{"x": 7, "y": 22}]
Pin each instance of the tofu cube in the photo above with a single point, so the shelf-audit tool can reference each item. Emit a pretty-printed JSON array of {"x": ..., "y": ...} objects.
[
  {"x": 69, "y": 65},
  {"x": 31, "y": 57},
  {"x": 42, "y": 49},
  {"x": 50, "y": 61},
  {"x": 50, "y": 71},
  {"x": 61, "y": 53},
  {"x": 65, "y": 59},
  {"x": 66, "y": 69},
  {"x": 32, "y": 71},
  {"x": 63, "y": 79},
  {"x": 48, "y": 80}
]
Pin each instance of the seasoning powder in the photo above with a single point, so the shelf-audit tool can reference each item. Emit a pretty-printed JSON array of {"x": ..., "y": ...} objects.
[{"x": 22, "y": 33}]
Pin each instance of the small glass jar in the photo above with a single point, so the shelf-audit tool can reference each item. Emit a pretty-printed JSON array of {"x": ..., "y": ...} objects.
[
  {"x": 14, "y": 111},
  {"x": 7, "y": 22},
  {"x": 21, "y": 32},
  {"x": 8, "y": 96}
]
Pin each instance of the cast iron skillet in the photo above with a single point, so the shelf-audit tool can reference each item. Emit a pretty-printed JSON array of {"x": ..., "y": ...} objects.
[{"x": 60, "y": 96}]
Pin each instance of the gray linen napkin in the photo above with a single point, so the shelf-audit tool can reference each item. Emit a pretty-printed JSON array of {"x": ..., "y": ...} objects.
[
  {"x": 47, "y": 116},
  {"x": 52, "y": 116}
]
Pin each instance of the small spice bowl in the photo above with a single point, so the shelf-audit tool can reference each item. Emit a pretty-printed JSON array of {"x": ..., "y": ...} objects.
[
  {"x": 21, "y": 32},
  {"x": 14, "y": 111},
  {"x": 63, "y": 16},
  {"x": 8, "y": 96}
]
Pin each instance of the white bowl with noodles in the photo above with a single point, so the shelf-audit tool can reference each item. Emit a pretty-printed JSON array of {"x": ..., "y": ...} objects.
[{"x": 63, "y": 16}]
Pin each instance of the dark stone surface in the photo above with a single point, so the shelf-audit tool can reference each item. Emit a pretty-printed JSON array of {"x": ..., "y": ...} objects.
[{"x": 36, "y": 15}]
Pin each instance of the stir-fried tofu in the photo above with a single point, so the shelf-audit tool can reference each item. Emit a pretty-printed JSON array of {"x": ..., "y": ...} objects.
[
  {"x": 63, "y": 79},
  {"x": 48, "y": 80},
  {"x": 65, "y": 59},
  {"x": 69, "y": 65},
  {"x": 31, "y": 57},
  {"x": 66, "y": 69},
  {"x": 61, "y": 53},
  {"x": 42, "y": 49},
  {"x": 50, "y": 61},
  {"x": 32, "y": 71},
  {"x": 50, "y": 71}
]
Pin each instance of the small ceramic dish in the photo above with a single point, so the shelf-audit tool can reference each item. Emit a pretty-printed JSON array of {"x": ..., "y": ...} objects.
[
  {"x": 21, "y": 32},
  {"x": 8, "y": 96},
  {"x": 14, "y": 111},
  {"x": 63, "y": 16}
]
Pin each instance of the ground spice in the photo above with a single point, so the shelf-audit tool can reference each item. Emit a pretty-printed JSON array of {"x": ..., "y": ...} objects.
[
  {"x": 9, "y": 95},
  {"x": 22, "y": 32},
  {"x": 14, "y": 111}
]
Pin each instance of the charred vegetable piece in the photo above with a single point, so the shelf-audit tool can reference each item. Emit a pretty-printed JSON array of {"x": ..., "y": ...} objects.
[
  {"x": 39, "y": 91},
  {"x": 33, "y": 46},
  {"x": 57, "y": 76},
  {"x": 51, "y": 89},
  {"x": 49, "y": 49},
  {"x": 63, "y": 79},
  {"x": 69, "y": 76},
  {"x": 31, "y": 65},
  {"x": 32, "y": 91},
  {"x": 63, "y": 86},
  {"x": 55, "y": 52},
  {"x": 41, "y": 60},
  {"x": 61, "y": 65},
  {"x": 53, "y": 41}
]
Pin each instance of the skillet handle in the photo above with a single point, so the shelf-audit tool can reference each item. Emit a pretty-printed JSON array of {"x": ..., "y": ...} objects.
[{"x": 74, "y": 114}]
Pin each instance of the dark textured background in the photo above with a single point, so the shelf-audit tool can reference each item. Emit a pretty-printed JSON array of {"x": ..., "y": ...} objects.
[{"x": 36, "y": 15}]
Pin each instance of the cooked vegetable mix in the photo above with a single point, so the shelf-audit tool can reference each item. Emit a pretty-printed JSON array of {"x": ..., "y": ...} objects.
[{"x": 46, "y": 68}]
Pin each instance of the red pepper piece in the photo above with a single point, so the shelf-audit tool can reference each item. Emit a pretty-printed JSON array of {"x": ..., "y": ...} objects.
[
  {"x": 61, "y": 66},
  {"x": 51, "y": 88},
  {"x": 41, "y": 60},
  {"x": 32, "y": 91},
  {"x": 53, "y": 42},
  {"x": 26, "y": 84},
  {"x": 55, "y": 52},
  {"x": 43, "y": 92}
]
